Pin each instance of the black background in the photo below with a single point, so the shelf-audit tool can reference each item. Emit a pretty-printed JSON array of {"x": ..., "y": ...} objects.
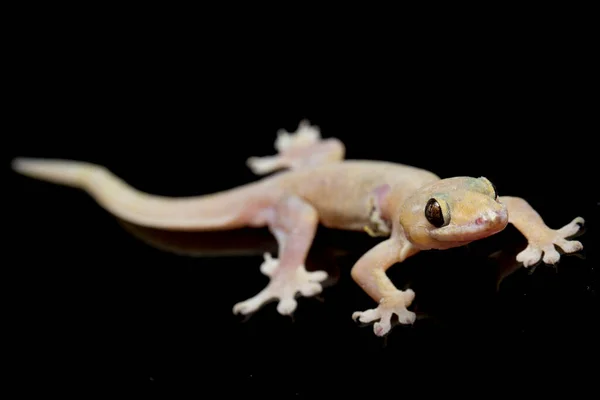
[{"x": 93, "y": 304}]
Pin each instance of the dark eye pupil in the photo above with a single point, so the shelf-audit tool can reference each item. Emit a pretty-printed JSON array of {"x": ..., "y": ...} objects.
[
  {"x": 495, "y": 191},
  {"x": 433, "y": 213}
]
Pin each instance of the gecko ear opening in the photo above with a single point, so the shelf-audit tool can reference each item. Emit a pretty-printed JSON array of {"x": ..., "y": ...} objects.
[{"x": 437, "y": 212}]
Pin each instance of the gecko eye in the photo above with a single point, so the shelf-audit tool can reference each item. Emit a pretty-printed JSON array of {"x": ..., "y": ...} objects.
[
  {"x": 434, "y": 213},
  {"x": 495, "y": 191},
  {"x": 492, "y": 186}
]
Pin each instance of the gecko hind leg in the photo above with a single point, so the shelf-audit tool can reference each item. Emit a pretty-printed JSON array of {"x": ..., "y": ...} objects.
[
  {"x": 294, "y": 224},
  {"x": 299, "y": 149}
]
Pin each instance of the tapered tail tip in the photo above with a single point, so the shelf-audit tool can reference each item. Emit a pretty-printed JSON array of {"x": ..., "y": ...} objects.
[
  {"x": 27, "y": 166},
  {"x": 53, "y": 170},
  {"x": 19, "y": 164}
]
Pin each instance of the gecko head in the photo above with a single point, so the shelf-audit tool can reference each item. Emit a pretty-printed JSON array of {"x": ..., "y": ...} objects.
[{"x": 453, "y": 212}]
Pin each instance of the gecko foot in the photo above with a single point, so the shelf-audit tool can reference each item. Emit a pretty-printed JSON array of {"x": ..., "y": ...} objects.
[
  {"x": 284, "y": 287},
  {"x": 389, "y": 305},
  {"x": 305, "y": 135},
  {"x": 264, "y": 165},
  {"x": 544, "y": 244},
  {"x": 294, "y": 149}
]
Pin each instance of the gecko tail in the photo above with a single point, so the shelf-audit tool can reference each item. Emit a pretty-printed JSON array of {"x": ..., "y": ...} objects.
[
  {"x": 224, "y": 210},
  {"x": 69, "y": 173}
]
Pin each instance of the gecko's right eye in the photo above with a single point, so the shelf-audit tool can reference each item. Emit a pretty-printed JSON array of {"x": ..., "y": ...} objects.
[{"x": 435, "y": 214}]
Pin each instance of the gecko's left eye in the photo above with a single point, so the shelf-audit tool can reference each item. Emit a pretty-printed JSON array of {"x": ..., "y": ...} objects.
[
  {"x": 495, "y": 191},
  {"x": 435, "y": 213},
  {"x": 491, "y": 186}
]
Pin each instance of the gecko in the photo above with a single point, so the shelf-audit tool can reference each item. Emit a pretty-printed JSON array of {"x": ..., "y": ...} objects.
[{"x": 308, "y": 183}]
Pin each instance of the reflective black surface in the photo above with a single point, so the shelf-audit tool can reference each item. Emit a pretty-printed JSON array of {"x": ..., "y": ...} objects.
[{"x": 97, "y": 302}]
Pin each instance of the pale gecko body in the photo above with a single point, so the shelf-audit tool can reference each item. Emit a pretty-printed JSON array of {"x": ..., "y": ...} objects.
[{"x": 413, "y": 209}]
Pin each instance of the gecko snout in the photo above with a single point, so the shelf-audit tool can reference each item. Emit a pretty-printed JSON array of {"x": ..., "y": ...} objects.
[{"x": 495, "y": 217}]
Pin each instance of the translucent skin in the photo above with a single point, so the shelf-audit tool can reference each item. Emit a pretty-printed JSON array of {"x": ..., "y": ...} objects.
[{"x": 317, "y": 186}]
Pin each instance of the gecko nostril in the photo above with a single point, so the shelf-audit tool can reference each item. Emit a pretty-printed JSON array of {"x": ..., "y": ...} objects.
[{"x": 480, "y": 221}]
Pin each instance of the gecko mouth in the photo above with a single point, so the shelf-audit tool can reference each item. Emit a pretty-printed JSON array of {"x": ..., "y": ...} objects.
[{"x": 481, "y": 228}]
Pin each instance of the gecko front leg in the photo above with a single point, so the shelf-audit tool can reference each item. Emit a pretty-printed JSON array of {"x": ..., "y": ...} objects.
[
  {"x": 541, "y": 239},
  {"x": 370, "y": 273},
  {"x": 293, "y": 222}
]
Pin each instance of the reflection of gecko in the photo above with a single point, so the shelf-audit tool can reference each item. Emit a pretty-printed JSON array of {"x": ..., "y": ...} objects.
[{"x": 413, "y": 208}]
